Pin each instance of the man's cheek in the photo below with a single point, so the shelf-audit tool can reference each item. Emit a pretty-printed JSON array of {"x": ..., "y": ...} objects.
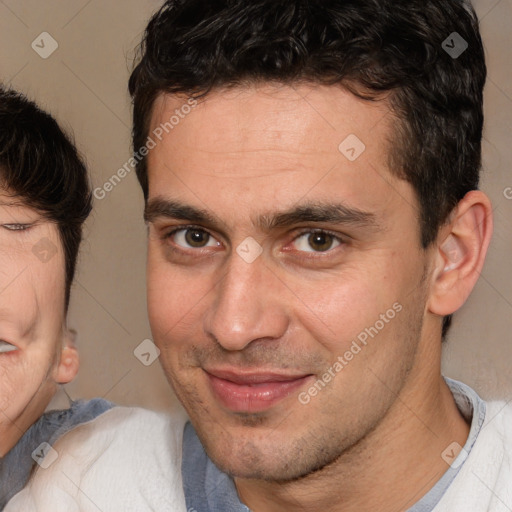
[
  {"x": 336, "y": 313},
  {"x": 176, "y": 306},
  {"x": 161, "y": 304}
]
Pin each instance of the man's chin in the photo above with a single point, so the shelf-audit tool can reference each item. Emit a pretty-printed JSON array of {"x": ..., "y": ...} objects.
[
  {"x": 269, "y": 471},
  {"x": 256, "y": 458}
]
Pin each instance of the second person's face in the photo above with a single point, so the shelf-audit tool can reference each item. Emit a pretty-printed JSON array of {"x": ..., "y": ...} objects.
[{"x": 32, "y": 302}]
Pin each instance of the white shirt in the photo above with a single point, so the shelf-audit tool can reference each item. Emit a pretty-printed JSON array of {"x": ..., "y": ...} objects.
[{"x": 129, "y": 459}]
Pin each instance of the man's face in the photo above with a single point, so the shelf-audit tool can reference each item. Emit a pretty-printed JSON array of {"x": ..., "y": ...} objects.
[
  {"x": 31, "y": 316},
  {"x": 304, "y": 254}
]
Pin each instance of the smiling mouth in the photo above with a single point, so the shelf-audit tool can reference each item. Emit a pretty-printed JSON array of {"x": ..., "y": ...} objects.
[
  {"x": 252, "y": 392},
  {"x": 6, "y": 347}
]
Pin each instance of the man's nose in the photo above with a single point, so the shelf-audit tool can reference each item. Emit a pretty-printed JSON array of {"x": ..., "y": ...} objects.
[{"x": 248, "y": 305}]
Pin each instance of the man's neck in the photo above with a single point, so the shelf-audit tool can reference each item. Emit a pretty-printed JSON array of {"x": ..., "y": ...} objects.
[{"x": 389, "y": 470}]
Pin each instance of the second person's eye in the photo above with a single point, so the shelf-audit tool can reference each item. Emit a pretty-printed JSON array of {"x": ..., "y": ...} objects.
[{"x": 16, "y": 227}]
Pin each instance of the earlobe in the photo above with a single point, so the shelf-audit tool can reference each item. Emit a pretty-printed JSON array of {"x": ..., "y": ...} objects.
[
  {"x": 69, "y": 360},
  {"x": 461, "y": 253}
]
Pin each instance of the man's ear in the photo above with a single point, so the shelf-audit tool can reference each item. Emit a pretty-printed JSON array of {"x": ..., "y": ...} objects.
[
  {"x": 460, "y": 253},
  {"x": 69, "y": 361}
]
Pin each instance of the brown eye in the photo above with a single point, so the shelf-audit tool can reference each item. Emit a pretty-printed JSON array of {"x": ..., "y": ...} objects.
[
  {"x": 193, "y": 238},
  {"x": 316, "y": 241},
  {"x": 196, "y": 237},
  {"x": 320, "y": 241}
]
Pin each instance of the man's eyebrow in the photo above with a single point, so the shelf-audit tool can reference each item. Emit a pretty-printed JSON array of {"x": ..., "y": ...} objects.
[
  {"x": 310, "y": 212},
  {"x": 319, "y": 212},
  {"x": 159, "y": 207}
]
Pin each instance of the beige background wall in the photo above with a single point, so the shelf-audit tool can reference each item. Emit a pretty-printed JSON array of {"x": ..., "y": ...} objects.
[{"x": 84, "y": 84}]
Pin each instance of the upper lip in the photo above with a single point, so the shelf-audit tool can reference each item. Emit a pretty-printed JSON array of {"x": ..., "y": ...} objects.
[{"x": 253, "y": 376}]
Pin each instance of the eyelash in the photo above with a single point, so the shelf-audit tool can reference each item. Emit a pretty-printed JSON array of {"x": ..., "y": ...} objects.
[{"x": 312, "y": 254}]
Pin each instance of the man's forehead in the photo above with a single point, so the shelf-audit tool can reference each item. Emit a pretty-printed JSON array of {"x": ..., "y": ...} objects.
[
  {"x": 228, "y": 148},
  {"x": 276, "y": 106},
  {"x": 265, "y": 129}
]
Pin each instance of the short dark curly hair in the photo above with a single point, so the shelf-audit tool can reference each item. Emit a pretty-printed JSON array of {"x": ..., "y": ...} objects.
[
  {"x": 40, "y": 165},
  {"x": 374, "y": 48}
]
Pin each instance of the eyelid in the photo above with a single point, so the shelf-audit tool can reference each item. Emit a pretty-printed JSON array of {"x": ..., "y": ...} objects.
[
  {"x": 341, "y": 239},
  {"x": 175, "y": 229},
  {"x": 303, "y": 231}
]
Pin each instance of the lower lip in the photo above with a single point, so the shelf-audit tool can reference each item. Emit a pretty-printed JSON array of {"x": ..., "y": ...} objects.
[{"x": 255, "y": 397}]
